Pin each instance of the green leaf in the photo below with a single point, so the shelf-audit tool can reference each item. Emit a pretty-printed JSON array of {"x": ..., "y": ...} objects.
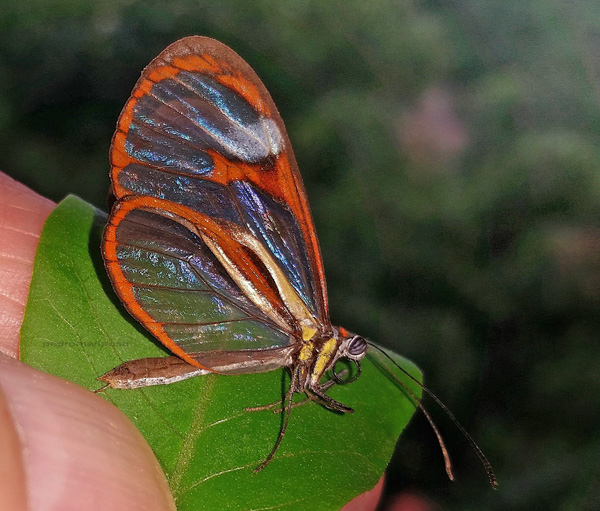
[{"x": 75, "y": 328}]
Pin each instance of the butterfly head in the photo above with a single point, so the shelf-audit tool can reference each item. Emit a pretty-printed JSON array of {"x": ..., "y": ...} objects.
[{"x": 352, "y": 349}]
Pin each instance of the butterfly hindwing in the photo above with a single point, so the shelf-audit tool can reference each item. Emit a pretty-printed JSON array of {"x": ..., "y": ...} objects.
[{"x": 172, "y": 283}]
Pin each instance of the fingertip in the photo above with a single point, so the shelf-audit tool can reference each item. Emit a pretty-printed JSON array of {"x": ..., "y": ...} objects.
[
  {"x": 12, "y": 473},
  {"x": 79, "y": 451},
  {"x": 22, "y": 216},
  {"x": 368, "y": 500}
]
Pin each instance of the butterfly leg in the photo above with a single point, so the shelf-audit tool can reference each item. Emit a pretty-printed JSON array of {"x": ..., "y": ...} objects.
[
  {"x": 263, "y": 408},
  {"x": 278, "y": 408},
  {"x": 288, "y": 408},
  {"x": 318, "y": 395},
  {"x": 277, "y": 405}
]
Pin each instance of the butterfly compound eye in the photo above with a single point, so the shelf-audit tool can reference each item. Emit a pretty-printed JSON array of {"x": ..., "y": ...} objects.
[{"x": 357, "y": 346}]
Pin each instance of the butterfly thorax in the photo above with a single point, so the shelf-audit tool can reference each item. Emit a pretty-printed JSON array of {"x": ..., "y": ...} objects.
[{"x": 319, "y": 352}]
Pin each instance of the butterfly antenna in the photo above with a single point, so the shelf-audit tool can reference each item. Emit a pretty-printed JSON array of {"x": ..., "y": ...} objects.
[{"x": 482, "y": 457}]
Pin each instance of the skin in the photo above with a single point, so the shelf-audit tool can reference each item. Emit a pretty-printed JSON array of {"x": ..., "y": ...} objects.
[{"x": 61, "y": 446}]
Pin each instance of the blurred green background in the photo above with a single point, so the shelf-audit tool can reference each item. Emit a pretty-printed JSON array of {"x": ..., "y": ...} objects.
[{"x": 451, "y": 155}]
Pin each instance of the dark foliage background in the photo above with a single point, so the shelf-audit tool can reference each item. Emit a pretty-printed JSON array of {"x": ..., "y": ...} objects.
[{"x": 451, "y": 156}]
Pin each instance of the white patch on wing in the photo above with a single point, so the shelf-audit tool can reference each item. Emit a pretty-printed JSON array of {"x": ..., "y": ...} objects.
[
  {"x": 272, "y": 135},
  {"x": 254, "y": 142}
]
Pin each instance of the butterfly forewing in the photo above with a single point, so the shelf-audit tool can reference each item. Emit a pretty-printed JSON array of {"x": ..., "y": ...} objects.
[{"x": 211, "y": 214}]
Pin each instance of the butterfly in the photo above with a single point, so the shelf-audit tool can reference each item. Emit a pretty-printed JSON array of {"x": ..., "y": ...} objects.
[{"x": 210, "y": 243}]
